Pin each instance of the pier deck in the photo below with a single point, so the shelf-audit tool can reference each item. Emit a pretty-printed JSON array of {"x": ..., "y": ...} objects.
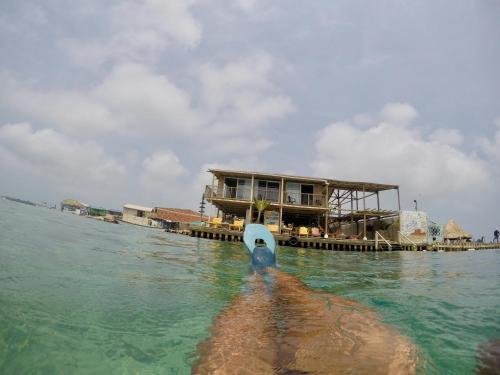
[{"x": 337, "y": 244}]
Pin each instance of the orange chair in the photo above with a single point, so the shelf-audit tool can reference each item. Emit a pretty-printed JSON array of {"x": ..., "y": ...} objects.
[{"x": 315, "y": 232}]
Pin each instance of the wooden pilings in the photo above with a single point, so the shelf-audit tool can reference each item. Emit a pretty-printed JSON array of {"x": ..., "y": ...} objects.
[{"x": 335, "y": 244}]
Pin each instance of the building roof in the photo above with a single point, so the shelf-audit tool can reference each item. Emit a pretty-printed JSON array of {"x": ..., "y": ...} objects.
[
  {"x": 177, "y": 215},
  {"x": 453, "y": 231},
  {"x": 73, "y": 203},
  {"x": 338, "y": 184},
  {"x": 137, "y": 207}
]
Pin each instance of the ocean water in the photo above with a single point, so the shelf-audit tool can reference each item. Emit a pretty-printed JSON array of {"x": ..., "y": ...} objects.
[{"x": 79, "y": 296}]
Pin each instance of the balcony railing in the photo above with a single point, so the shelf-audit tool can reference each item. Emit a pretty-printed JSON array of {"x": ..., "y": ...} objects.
[
  {"x": 272, "y": 195},
  {"x": 304, "y": 199},
  {"x": 228, "y": 192}
]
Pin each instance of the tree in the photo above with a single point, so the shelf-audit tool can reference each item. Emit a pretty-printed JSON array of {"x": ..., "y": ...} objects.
[{"x": 261, "y": 205}]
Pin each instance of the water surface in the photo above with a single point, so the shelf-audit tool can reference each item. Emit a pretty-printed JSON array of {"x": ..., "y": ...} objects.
[{"x": 78, "y": 296}]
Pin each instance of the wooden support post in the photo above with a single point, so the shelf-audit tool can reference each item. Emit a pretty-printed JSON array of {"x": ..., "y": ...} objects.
[
  {"x": 326, "y": 213},
  {"x": 378, "y": 201},
  {"x": 338, "y": 204},
  {"x": 364, "y": 199},
  {"x": 364, "y": 227},
  {"x": 364, "y": 216},
  {"x": 251, "y": 200},
  {"x": 399, "y": 200},
  {"x": 281, "y": 191}
]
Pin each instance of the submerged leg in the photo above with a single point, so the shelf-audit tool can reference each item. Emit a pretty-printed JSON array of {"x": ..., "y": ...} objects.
[
  {"x": 326, "y": 334},
  {"x": 243, "y": 336}
]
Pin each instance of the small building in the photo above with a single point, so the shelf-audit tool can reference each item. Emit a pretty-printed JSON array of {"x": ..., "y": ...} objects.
[
  {"x": 139, "y": 215},
  {"x": 74, "y": 206},
  {"x": 340, "y": 208},
  {"x": 453, "y": 232},
  {"x": 97, "y": 211},
  {"x": 176, "y": 218}
]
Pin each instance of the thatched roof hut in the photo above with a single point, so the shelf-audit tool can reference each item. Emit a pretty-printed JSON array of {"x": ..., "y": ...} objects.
[
  {"x": 72, "y": 203},
  {"x": 453, "y": 231}
]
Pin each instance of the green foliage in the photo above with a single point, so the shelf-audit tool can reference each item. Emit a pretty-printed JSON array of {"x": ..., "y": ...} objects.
[{"x": 261, "y": 205}]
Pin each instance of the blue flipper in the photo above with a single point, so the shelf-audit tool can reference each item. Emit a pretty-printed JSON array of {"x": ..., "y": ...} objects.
[{"x": 262, "y": 256}]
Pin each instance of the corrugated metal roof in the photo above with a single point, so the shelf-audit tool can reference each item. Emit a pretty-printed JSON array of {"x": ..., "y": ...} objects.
[
  {"x": 137, "y": 207},
  {"x": 179, "y": 215},
  {"x": 347, "y": 185}
]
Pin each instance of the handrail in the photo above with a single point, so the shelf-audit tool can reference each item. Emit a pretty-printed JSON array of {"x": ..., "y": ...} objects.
[
  {"x": 304, "y": 199},
  {"x": 377, "y": 235},
  {"x": 408, "y": 239},
  {"x": 270, "y": 194}
]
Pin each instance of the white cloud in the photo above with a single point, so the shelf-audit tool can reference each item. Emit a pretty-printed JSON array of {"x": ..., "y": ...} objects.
[
  {"x": 75, "y": 112},
  {"x": 362, "y": 119},
  {"x": 141, "y": 99},
  {"x": 131, "y": 98},
  {"x": 23, "y": 20},
  {"x": 392, "y": 153},
  {"x": 398, "y": 114},
  {"x": 497, "y": 122},
  {"x": 239, "y": 146},
  {"x": 160, "y": 178},
  {"x": 240, "y": 97},
  {"x": 162, "y": 167},
  {"x": 144, "y": 45},
  {"x": 246, "y": 5},
  {"x": 236, "y": 100},
  {"x": 171, "y": 18},
  {"x": 447, "y": 136},
  {"x": 140, "y": 31},
  {"x": 491, "y": 146},
  {"x": 55, "y": 157}
]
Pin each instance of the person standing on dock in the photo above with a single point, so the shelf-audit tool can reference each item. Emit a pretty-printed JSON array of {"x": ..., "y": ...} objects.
[{"x": 496, "y": 234}]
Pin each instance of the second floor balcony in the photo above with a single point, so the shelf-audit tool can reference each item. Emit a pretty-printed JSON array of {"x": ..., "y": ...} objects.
[{"x": 243, "y": 193}]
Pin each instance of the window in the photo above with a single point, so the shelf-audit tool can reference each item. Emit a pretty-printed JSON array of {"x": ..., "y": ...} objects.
[
  {"x": 306, "y": 192},
  {"x": 237, "y": 188},
  {"x": 268, "y": 190}
]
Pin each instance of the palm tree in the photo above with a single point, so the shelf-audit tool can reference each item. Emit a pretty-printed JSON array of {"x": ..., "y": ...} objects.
[{"x": 261, "y": 205}]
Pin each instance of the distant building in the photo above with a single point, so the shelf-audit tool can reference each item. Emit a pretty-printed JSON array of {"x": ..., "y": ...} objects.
[
  {"x": 139, "y": 215},
  {"x": 453, "y": 232},
  {"x": 97, "y": 211},
  {"x": 74, "y": 206},
  {"x": 176, "y": 218}
]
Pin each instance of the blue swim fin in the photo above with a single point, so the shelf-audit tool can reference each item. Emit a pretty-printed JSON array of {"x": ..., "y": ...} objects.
[{"x": 262, "y": 256}]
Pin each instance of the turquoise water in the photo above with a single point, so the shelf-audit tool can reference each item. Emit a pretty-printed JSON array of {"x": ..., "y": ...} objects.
[{"x": 78, "y": 296}]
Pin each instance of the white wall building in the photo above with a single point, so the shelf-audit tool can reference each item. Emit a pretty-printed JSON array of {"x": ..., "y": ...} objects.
[{"x": 138, "y": 215}]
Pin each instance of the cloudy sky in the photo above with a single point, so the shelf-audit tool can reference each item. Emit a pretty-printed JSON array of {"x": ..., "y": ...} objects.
[{"x": 131, "y": 101}]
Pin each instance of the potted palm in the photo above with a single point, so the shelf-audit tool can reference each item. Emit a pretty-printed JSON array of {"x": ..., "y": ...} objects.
[{"x": 261, "y": 205}]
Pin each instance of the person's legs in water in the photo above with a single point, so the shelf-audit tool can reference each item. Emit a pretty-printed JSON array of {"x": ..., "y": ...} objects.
[
  {"x": 317, "y": 333},
  {"x": 326, "y": 334},
  {"x": 488, "y": 358},
  {"x": 243, "y": 336}
]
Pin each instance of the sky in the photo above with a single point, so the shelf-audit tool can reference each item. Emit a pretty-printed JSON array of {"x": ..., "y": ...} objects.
[{"x": 132, "y": 101}]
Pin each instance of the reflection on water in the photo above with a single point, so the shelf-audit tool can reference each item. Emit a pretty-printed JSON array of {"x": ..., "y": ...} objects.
[{"x": 79, "y": 296}]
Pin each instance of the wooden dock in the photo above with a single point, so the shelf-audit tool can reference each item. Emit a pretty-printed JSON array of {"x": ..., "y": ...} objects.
[{"x": 336, "y": 244}]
